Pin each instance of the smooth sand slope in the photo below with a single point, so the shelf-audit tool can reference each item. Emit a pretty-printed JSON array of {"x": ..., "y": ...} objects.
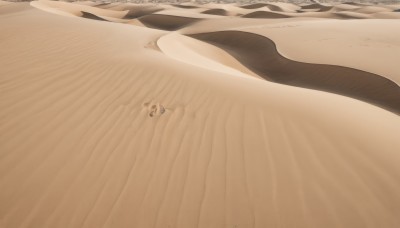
[{"x": 115, "y": 124}]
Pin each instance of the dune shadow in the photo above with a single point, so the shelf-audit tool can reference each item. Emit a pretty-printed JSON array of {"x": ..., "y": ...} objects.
[
  {"x": 140, "y": 12},
  {"x": 318, "y": 7},
  {"x": 354, "y": 4},
  {"x": 344, "y": 16},
  {"x": 185, "y": 6},
  {"x": 92, "y": 16},
  {"x": 260, "y": 55},
  {"x": 219, "y": 12},
  {"x": 167, "y": 22},
  {"x": 101, "y": 5}
]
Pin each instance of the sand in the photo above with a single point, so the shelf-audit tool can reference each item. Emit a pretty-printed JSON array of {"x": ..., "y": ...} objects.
[
  {"x": 126, "y": 115},
  {"x": 274, "y": 67}
]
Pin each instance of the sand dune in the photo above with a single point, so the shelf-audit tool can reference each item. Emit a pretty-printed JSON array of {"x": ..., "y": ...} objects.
[
  {"x": 272, "y": 7},
  {"x": 274, "y": 67},
  {"x": 167, "y": 22},
  {"x": 92, "y": 16},
  {"x": 344, "y": 6},
  {"x": 185, "y": 6},
  {"x": 387, "y": 15},
  {"x": 136, "y": 10},
  {"x": 356, "y": 3},
  {"x": 265, "y": 14},
  {"x": 200, "y": 54},
  {"x": 188, "y": 13},
  {"x": 254, "y": 6},
  {"x": 287, "y": 7},
  {"x": 139, "y": 12},
  {"x": 65, "y": 8},
  {"x": 119, "y": 125},
  {"x": 88, "y": 3},
  {"x": 341, "y": 40},
  {"x": 352, "y": 15},
  {"x": 372, "y": 9},
  {"x": 8, "y": 7},
  {"x": 318, "y": 7},
  {"x": 220, "y": 12}
]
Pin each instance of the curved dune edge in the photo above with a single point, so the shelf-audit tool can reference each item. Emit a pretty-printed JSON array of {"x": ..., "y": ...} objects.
[
  {"x": 261, "y": 5},
  {"x": 92, "y": 16},
  {"x": 220, "y": 12},
  {"x": 201, "y": 54},
  {"x": 185, "y": 6},
  {"x": 265, "y": 14},
  {"x": 319, "y": 7},
  {"x": 136, "y": 13},
  {"x": 78, "y": 10},
  {"x": 273, "y": 6},
  {"x": 39, "y": 5},
  {"x": 64, "y": 8},
  {"x": 272, "y": 66},
  {"x": 352, "y": 15},
  {"x": 167, "y": 22}
]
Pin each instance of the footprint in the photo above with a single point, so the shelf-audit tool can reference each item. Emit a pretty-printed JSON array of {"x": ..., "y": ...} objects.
[{"x": 156, "y": 110}]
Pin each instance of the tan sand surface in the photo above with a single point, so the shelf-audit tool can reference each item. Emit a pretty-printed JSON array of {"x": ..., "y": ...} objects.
[
  {"x": 3, "y": 3},
  {"x": 115, "y": 124}
]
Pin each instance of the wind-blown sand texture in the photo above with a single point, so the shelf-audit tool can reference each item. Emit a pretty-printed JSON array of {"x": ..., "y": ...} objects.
[{"x": 189, "y": 115}]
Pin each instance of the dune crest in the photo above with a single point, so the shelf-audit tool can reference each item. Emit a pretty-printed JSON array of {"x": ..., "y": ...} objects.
[
  {"x": 272, "y": 66},
  {"x": 265, "y": 14},
  {"x": 197, "y": 53}
]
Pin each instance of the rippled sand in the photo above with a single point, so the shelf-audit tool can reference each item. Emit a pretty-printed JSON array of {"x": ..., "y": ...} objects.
[{"x": 215, "y": 115}]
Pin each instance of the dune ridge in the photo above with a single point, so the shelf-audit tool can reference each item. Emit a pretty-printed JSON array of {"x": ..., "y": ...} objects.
[
  {"x": 274, "y": 67},
  {"x": 92, "y": 16},
  {"x": 139, "y": 12},
  {"x": 265, "y": 14},
  {"x": 260, "y": 5},
  {"x": 185, "y": 6},
  {"x": 316, "y": 6},
  {"x": 198, "y": 53},
  {"x": 220, "y": 12}
]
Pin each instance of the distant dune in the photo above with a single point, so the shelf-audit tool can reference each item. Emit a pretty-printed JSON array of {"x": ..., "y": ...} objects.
[
  {"x": 166, "y": 22},
  {"x": 265, "y": 14},
  {"x": 220, "y": 12},
  {"x": 91, "y": 16},
  {"x": 139, "y": 12},
  {"x": 199, "y": 115}
]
